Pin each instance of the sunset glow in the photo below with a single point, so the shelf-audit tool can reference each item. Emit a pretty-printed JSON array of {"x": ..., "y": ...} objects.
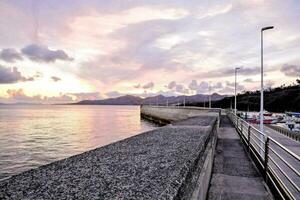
[{"x": 62, "y": 51}]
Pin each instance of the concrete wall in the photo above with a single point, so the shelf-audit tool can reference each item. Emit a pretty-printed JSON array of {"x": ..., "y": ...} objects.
[
  {"x": 197, "y": 184},
  {"x": 165, "y": 115}
]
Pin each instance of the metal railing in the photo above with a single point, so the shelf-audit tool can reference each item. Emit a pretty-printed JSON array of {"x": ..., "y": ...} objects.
[
  {"x": 291, "y": 134},
  {"x": 279, "y": 165}
]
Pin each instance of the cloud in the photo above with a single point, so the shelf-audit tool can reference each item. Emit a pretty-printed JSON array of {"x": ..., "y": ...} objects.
[
  {"x": 199, "y": 40},
  {"x": 204, "y": 86},
  {"x": 113, "y": 94},
  {"x": 137, "y": 86},
  {"x": 149, "y": 85},
  {"x": 12, "y": 75},
  {"x": 146, "y": 86},
  {"x": 218, "y": 85},
  {"x": 137, "y": 54},
  {"x": 62, "y": 98},
  {"x": 10, "y": 55},
  {"x": 193, "y": 85},
  {"x": 179, "y": 88},
  {"x": 41, "y": 53},
  {"x": 230, "y": 86},
  {"x": 227, "y": 90},
  {"x": 291, "y": 70},
  {"x": 55, "y": 78},
  {"x": 248, "y": 80},
  {"x": 142, "y": 41},
  {"x": 172, "y": 85},
  {"x": 20, "y": 96},
  {"x": 226, "y": 72}
]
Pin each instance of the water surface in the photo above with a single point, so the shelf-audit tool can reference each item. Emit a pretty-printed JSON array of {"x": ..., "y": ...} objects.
[{"x": 33, "y": 135}]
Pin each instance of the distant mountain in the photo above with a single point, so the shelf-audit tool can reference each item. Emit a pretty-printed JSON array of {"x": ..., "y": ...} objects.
[
  {"x": 123, "y": 100},
  {"x": 199, "y": 98},
  {"x": 279, "y": 99},
  {"x": 160, "y": 100}
]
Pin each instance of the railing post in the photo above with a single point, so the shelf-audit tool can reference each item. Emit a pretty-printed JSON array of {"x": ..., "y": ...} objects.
[
  {"x": 266, "y": 157},
  {"x": 249, "y": 132},
  {"x": 241, "y": 127}
]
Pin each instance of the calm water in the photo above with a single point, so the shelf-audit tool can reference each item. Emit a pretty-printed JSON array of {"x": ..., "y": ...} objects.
[{"x": 31, "y": 136}]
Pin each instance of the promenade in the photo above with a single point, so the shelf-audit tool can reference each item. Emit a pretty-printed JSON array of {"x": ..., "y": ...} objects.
[
  {"x": 234, "y": 175},
  {"x": 276, "y": 156}
]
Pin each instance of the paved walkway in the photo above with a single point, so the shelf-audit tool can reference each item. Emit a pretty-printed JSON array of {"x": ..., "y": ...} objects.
[{"x": 234, "y": 175}]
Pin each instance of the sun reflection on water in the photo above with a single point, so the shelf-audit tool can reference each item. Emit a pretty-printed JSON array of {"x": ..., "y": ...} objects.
[{"x": 31, "y": 136}]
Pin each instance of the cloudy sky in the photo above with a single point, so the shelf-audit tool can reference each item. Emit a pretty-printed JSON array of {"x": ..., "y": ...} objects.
[{"x": 54, "y": 50}]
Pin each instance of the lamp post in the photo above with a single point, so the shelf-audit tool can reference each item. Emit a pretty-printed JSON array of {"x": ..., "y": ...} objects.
[
  {"x": 209, "y": 97},
  {"x": 261, "y": 116},
  {"x": 235, "y": 72}
]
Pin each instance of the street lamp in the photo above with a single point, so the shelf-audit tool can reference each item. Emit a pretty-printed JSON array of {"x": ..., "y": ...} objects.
[
  {"x": 261, "y": 121},
  {"x": 235, "y": 72}
]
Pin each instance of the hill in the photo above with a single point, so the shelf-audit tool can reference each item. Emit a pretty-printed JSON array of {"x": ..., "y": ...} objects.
[
  {"x": 155, "y": 100},
  {"x": 123, "y": 100},
  {"x": 279, "y": 99}
]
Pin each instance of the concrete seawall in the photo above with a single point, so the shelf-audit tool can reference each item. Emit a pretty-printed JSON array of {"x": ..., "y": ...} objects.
[
  {"x": 166, "y": 115},
  {"x": 189, "y": 117},
  {"x": 172, "y": 162}
]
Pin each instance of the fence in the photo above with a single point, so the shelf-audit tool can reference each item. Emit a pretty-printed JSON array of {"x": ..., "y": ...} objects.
[
  {"x": 291, "y": 134},
  {"x": 280, "y": 166}
]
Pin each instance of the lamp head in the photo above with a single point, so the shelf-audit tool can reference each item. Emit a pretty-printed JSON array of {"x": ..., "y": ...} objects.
[{"x": 267, "y": 28}]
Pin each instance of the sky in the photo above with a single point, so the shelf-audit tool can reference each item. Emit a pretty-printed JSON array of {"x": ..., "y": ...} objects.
[{"x": 70, "y": 50}]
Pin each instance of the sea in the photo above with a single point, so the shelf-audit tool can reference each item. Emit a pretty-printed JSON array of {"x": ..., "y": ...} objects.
[{"x": 35, "y": 135}]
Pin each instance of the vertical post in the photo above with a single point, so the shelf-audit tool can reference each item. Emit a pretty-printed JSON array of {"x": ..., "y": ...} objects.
[
  {"x": 235, "y": 91},
  {"x": 235, "y": 73},
  {"x": 209, "y": 97},
  {"x": 261, "y": 114},
  {"x": 167, "y": 102},
  {"x": 249, "y": 138},
  {"x": 266, "y": 157},
  {"x": 184, "y": 101},
  {"x": 261, "y": 125},
  {"x": 242, "y": 128}
]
